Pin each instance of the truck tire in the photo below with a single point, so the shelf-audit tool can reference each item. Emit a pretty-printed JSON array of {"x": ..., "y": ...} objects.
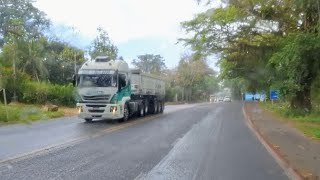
[
  {"x": 88, "y": 120},
  {"x": 155, "y": 107},
  {"x": 158, "y": 106},
  {"x": 161, "y": 107},
  {"x": 146, "y": 107},
  {"x": 141, "y": 110},
  {"x": 125, "y": 114}
]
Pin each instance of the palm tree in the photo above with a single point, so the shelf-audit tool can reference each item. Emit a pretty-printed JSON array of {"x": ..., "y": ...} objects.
[{"x": 32, "y": 61}]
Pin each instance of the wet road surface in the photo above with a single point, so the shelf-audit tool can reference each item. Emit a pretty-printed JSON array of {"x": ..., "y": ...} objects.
[{"x": 204, "y": 141}]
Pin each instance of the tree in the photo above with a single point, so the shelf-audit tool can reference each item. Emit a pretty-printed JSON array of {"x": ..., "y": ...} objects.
[
  {"x": 62, "y": 60},
  {"x": 267, "y": 43},
  {"x": 32, "y": 59},
  {"x": 191, "y": 76},
  {"x": 149, "y": 63},
  {"x": 103, "y": 46},
  {"x": 32, "y": 19}
]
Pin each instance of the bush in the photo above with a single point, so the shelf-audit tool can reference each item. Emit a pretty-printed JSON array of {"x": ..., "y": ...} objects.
[
  {"x": 171, "y": 93},
  {"x": 25, "y": 113},
  {"x": 35, "y": 93},
  {"x": 11, "y": 112},
  {"x": 7, "y": 83},
  {"x": 41, "y": 93},
  {"x": 62, "y": 95}
]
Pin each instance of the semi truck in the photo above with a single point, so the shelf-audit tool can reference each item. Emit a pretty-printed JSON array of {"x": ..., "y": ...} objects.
[{"x": 108, "y": 89}]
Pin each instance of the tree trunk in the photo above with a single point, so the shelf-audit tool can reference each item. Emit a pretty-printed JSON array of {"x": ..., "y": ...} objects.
[
  {"x": 182, "y": 94},
  {"x": 302, "y": 99}
]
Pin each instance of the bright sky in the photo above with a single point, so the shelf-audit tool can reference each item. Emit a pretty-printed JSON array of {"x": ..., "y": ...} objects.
[{"x": 136, "y": 26}]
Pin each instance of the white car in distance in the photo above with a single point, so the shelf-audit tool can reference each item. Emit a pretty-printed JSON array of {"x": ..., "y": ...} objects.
[{"x": 226, "y": 99}]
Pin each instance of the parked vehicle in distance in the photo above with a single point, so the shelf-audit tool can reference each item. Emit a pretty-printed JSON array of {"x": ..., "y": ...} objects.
[
  {"x": 220, "y": 99},
  {"x": 226, "y": 99},
  {"x": 212, "y": 98}
]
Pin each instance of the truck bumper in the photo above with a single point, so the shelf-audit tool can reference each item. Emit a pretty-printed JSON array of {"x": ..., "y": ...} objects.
[{"x": 99, "y": 111}]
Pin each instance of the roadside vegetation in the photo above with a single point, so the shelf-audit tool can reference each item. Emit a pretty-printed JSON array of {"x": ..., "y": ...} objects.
[
  {"x": 308, "y": 123},
  {"x": 264, "y": 45},
  {"x": 22, "y": 113}
]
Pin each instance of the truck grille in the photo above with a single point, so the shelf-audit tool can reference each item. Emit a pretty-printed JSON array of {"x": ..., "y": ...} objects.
[
  {"x": 96, "y": 105},
  {"x": 96, "y": 111},
  {"x": 96, "y": 98}
]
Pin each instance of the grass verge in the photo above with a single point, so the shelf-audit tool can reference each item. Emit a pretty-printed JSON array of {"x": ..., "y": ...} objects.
[
  {"x": 21, "y": 113},
  {"x": 308, "y": 123}
]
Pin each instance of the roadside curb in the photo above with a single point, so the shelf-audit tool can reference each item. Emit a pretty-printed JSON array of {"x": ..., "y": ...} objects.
[{"x": 288, "y": 169}]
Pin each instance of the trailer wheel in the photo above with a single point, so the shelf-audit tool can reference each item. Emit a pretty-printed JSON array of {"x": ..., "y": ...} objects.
[
  {"x": 161, "y": 107},
  {"x": 146, "y": 108},
  {"x": 88, "y": 120},
  {"x": 155, "y": 107},
  {"x": 158, "y": 106},
  {"x": 141, "y": 110}
]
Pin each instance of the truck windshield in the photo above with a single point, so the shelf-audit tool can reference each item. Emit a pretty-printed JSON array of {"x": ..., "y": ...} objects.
[{"x": 97, "y": 80}]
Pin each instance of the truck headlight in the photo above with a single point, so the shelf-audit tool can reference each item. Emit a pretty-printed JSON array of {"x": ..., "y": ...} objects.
[
  {"x": 80, "y": 109},
  {"x": 113, "y": 109}
]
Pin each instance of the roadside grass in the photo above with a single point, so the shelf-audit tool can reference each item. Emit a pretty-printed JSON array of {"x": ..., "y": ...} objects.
[
  {"x": 22, "y": 113},
  {"x": 308, "y": 123}
]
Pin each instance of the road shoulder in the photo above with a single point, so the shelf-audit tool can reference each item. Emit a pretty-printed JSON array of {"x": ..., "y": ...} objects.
[{"x": 293, "y": 149}]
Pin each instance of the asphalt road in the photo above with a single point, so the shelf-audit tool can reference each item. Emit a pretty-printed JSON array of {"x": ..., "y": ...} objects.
[{"x": 203, "y": 141}]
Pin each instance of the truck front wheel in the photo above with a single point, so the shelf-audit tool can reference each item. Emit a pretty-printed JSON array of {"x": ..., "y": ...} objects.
[{"x": 125, "y": 114}]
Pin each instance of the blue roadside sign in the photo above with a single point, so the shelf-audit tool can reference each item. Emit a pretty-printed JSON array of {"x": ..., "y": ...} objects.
[{"x": 274, "y": 95}]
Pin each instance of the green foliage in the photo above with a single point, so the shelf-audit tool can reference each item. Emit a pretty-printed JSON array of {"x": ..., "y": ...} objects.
[
  {"x": 32, "y": 20},
  {"x": 62, "y": 95},
  {"x": 313, "y": 131},
  {"x": 25, "y": 113},
  {"x": 196, "y": 78},
  {"x": 62, "y": 60},
  {"x": 283, "y": 108},
  {"x": 267, "y": 43},
  {"x": 103, "y": 46},
  {"x": 309, "y": 123},
  {"x": 297, "y": 63},
  {"x": 149, "y": 63},
  {"x": 41, "y": 93},
  {"x": 315, "y": 93},
  {"x": 171, "y": 93},
  {"x": 8, "y": 83}
]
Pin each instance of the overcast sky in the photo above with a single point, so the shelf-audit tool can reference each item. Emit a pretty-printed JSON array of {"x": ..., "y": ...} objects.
[{"x": 136, "y": 26}]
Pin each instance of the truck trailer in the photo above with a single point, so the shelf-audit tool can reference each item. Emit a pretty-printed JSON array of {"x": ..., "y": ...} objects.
[{"x": 108, "y": 89}]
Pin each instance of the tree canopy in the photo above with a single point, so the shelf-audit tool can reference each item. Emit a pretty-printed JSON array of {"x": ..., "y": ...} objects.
[
  {"x": 267, "y": 43},
  {"x": 150, "y": 63},
  {"x": 103, "y": 46}
]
